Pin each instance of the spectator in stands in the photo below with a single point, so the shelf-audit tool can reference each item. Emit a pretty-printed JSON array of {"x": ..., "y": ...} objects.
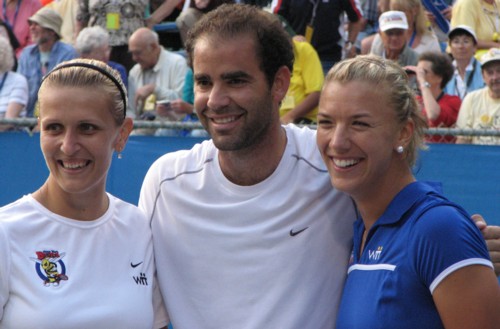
[
  {"x": 413, "y": 249},
  {"x": 93, "y": 43},
  {"x": 418, "y": 35},
  {"x": 321, "y": 22},
  {"x": 184, "y": 106},
  {"x": 121, "y": 18},
  {"x": 393, "y": 26},
  {"x": 433, "y": 71},
  {"x": 158, "y": 75},
  {"x": 193, "y": 12},
  {"x": 46, "y": 52},
  {"x": 300, "y": 104},
  {"x": 15, "y": 13},
  {"x": 68, "y": 9},
  {"x": 13, "y": 86},
  {"x": 370, "y": 25},
  {"x": 481, "y": 108},
  {"x": 438, "y": 13},
  {"x": 6, "y": 32},
  {"x": 467, "y": 75},
  {"x": 70, "y": 237},
  {"x": 483, "y": 17}
]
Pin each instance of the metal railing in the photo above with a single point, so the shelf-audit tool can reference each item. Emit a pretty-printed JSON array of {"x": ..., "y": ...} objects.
[{"x": 30, "y": 122}]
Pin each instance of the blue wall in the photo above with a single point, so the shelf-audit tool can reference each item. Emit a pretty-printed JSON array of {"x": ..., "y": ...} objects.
[{"x": 470, "y": 174}]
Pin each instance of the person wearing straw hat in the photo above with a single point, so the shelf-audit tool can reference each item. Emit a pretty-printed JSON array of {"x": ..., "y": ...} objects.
[{"x": 45, "y": 53}]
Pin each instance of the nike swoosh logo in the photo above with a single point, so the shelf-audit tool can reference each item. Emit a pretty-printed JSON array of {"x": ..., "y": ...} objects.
[
  {"x": 292, "y": 233},
  {"x": 135, "y": 265}
]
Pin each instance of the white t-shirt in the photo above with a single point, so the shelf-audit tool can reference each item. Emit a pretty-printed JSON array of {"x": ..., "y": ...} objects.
[
  {"x": 62, "y": 273},
  {"x": 14, "y": 90},
  {"x": 271, "y": 255}
]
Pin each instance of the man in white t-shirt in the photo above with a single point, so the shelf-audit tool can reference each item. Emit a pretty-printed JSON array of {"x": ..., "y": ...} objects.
[
  {"x": 247, "y": 229},
  {"x": 481, "y": 108}
]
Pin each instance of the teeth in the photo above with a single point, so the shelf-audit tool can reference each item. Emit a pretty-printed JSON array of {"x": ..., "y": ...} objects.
[
  {"x": 345, "y": 163},
  {"x": 74, "y": 165},
  {"x": 224, "y": 120}
]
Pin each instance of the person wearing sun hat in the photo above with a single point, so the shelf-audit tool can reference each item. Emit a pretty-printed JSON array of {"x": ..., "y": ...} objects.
[
  {"x": 392, "y": 28},
  {"x": 481, "y": 108},
  {"x": 45, "y": 53},
  {"x": 467, "y": 77}
]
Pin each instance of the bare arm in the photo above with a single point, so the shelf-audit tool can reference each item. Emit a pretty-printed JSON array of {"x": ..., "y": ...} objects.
[
  {"x": 469, "y": 298},
  {"x": 492, "y": 236},
  {"x": 307, "y": 105},
  {"x": 13, "y": 111},
  {"x": 164, "y": 10}
]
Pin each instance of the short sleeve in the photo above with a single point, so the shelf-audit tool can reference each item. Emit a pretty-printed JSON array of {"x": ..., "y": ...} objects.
[
  {"x": 443, "y": 240},
  {"x": 4, "y": 269},
  {"x": 464, "y": 119}
]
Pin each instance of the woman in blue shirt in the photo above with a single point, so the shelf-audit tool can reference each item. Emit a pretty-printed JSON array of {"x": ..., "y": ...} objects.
[{"x": 418, "y": 259}]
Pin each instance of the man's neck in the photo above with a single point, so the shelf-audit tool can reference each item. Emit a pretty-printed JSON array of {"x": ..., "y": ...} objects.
[
  {"x": 493, "y": 94},
  {"x": 393, "y": 55},
  {"x": 255, "y": 164},
  {"x": 46, "y": 46}
]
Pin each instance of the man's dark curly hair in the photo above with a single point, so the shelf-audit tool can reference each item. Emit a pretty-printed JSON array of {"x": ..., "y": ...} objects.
[{"x": 274, "y": 47}]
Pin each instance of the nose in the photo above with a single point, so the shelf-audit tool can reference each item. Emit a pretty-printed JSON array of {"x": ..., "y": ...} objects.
[
  {"x": 70, "y": 143},
  {"x": 339, "y": 139},
  {"x": 218, "y": 97}
]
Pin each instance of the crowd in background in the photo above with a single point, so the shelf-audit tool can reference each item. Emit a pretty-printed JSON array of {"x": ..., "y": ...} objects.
[{"x": 450, "y": 50}]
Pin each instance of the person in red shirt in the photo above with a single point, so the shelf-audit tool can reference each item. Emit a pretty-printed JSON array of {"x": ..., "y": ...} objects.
[{"x": 433, "y": 71}]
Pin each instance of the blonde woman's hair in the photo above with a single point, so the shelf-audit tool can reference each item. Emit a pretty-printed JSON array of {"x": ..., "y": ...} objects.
[
  {"x": 90, "y": 73},
  {"x": 387, "y": 77}
]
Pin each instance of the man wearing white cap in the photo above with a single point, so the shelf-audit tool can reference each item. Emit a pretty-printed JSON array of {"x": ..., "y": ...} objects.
[
  {"x": 481, "y": 108},
  {"x": 45, "y": 52},
  {"x": 467, "y": 76},
  {"x": 393, "y": 25}
]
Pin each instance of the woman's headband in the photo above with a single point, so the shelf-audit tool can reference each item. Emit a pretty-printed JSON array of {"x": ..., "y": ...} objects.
[{"x": 98, "y": 69}]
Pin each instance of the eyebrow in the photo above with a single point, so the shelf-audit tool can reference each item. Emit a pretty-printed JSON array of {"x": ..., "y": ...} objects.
[{"x": 235, "y": 75}]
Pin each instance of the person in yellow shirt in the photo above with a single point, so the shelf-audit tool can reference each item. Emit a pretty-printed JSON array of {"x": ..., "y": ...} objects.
[
  {"x": 483, "y": 16},
  {"x": 300, "y": 104}
]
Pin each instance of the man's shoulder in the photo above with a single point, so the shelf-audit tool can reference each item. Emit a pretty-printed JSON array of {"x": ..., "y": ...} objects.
[
  {"x": 172, "y": 56},
  {"x": 475, "y": 95},
  {"x": 186, "y": 160},
  {"x": 302, "y": 142},
  {"x": 29, "y": 51}
]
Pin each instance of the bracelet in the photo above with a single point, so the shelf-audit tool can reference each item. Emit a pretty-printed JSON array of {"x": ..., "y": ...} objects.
[{"x": 425, "y": 85}]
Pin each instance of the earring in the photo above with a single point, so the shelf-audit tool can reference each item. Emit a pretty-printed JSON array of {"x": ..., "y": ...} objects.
[
  {"x": 400, "y": 149},
  {"x": 119, "y": 155}
]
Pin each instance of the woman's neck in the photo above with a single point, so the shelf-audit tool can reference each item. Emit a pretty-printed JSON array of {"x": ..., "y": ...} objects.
[{"x": 461, "y": 66}]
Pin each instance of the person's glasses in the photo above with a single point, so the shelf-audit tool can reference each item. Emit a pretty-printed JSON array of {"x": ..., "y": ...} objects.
[
  {"x": 394, "y": 32},
  {"x": 461, "y": 42}
]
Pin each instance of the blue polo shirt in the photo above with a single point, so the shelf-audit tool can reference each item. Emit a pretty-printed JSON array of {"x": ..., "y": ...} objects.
[{"x": 419, "y": 240}]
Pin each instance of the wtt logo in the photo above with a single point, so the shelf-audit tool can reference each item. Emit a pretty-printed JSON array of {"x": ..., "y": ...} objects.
[
  {"x": 375, "y": 254},
  {"x": 142, "y": 280}
]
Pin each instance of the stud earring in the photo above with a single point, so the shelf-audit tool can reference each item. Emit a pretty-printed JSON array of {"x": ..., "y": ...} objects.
[
  {"x": 400, "y": 149},
  {"x": 119, "y": 156}
]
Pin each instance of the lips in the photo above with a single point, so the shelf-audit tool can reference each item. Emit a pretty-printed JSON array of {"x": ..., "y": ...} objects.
[
  {"x": 73, "y": 165},
  {"x": 225, "y": 120},
  {"x": 345, "y": 163}
]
